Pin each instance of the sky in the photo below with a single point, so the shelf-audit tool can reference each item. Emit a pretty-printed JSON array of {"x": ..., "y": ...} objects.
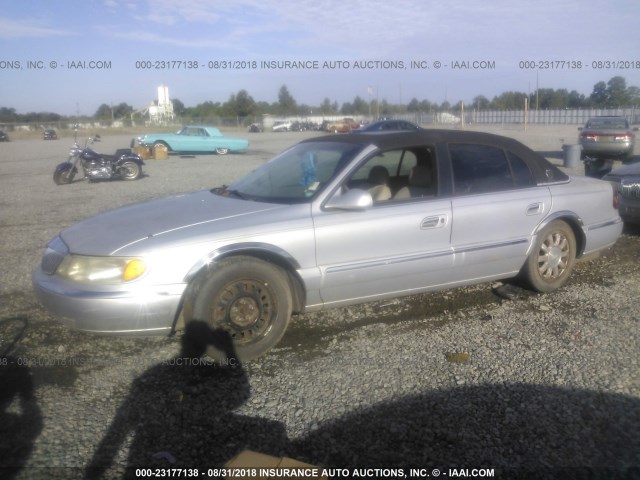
[{"x": 69, "y": 57}]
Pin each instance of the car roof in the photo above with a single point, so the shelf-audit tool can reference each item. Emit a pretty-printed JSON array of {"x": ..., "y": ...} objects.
[{"x": 542, "y": 169}]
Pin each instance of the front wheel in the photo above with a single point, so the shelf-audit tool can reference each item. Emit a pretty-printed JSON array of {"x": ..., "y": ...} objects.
[
  {"x": 551, "y": 261},
  {"x": 64, "y": 177},
  {"x": 222, "y": 151},
  {"x": 248, "y": 298},
  {"x": 130, "y": 170}
]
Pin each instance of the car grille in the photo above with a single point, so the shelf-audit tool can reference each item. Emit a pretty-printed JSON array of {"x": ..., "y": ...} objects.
[{"x": 630, "y": 188}]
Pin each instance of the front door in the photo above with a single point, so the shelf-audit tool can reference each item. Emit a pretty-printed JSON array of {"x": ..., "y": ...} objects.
[{"x": 397, "y": 246}]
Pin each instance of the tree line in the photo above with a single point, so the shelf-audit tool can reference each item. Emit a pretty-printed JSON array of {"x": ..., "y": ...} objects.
[{"x": 611, "y": 94}]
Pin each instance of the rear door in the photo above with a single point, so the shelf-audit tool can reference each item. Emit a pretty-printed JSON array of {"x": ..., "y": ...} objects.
[{"x": 496, "y": 208}]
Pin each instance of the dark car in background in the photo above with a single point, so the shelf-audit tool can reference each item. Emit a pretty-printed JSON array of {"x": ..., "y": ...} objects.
[
  {"x": 607, "y": 138},
  {"x": 626, "y": 183},
  {"x": 3, "y": 137},
  {"x": 388, "y": 126},
  {"x": 50, "y": 135}
]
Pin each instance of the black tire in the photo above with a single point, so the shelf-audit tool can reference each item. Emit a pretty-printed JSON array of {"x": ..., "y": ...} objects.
[
  {"x": 130, "y": 170},
  {"x": 222, "y": 151},
  {"x": 246, "y": 297},
  {"x": 552, "y": 258},
  {"x": 63, "y": 177}
]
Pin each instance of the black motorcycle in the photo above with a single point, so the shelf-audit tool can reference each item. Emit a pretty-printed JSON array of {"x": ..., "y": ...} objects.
[{"x": 97, "y": 166}]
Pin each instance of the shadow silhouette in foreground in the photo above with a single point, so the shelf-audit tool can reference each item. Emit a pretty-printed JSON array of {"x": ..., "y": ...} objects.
[
  {"x": 20, "y": 416},
  {"x": 521, "y": 431},
  {"x": 179, "y": 413}
]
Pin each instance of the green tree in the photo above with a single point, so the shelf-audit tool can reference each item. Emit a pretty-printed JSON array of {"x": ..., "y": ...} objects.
[
  {"x": 286, "y": 103},
  {"x": 481, "y": 102},
  {"x": 240, "y": 105},
  {"x": 617, "y": 95},
  {"x": 599, "y": 95}
]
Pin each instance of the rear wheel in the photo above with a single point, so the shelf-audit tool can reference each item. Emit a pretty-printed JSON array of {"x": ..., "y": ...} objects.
[
  {"x": 63, "y": 177},
  {"x": 222, "y": 151},
  {"x": 551, "y": 261},
  {"x": 248, "y": 298},
  {"x": 130, "y": 170}
]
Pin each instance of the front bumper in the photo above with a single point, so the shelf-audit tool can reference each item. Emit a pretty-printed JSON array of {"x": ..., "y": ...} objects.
[{"x": 144, "y": 311}]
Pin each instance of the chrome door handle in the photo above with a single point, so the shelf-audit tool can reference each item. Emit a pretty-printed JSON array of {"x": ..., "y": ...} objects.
[
  {"x": 535, "y": 208},
  {"x": 436, "y": 221}
]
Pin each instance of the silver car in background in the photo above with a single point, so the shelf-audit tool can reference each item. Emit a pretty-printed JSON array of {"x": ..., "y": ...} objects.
[
  {"x": 335, "y": 220},
  {"x": 607, "y": 138}
]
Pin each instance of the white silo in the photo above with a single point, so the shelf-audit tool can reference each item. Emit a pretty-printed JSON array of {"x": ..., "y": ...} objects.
[{"x": 163, "y": 96}]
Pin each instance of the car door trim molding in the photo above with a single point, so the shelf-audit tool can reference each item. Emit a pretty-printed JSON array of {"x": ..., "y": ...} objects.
[
  {"x": 383, "y": 262},
  {"x": 476, "y": 248},
  {"x": 608, "y": 223}
]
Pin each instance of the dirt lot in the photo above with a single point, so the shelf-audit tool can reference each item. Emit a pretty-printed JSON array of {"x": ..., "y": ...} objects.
[{"x": 583, "y": 339}]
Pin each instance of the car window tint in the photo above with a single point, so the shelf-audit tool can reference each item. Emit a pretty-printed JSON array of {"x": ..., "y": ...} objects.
[
  {"x": 522, "y": 175},
  {"x": 479, "y": 169}
]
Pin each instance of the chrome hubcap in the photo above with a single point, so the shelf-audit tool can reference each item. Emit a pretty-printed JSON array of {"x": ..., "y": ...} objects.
[{"x": 553, "y": 257}]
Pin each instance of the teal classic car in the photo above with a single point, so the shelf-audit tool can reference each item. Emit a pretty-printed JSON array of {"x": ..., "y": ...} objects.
[{"x": 196, "y": 139}]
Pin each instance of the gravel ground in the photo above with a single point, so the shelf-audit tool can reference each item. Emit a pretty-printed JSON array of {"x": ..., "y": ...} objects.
[{"x": 546, "y": 385}]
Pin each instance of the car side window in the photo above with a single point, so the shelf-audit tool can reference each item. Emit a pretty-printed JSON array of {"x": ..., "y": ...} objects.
[
  {"x": 397, "y": 175},
  {"x": 484, "y": 169}
]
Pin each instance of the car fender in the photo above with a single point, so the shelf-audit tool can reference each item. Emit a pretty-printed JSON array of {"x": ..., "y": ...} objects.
[{"x": 264, "y": 251}]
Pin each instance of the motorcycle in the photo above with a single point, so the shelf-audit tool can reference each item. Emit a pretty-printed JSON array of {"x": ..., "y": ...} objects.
[{"x": 98, "y": 166}]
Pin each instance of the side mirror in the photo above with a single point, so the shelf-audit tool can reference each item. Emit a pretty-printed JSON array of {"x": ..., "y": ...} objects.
[{"x": 355, "y": 199}]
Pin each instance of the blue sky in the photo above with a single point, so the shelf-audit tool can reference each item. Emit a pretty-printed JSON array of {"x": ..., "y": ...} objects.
[{"x": 120, "y": 33}]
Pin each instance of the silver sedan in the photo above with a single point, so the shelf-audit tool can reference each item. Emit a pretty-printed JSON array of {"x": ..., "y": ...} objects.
[
  {"x": 607, "y": 137},
  {"x": 332, "y": 221}
]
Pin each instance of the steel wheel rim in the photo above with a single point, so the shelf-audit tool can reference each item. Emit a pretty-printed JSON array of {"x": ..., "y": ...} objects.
[
  {"x": 131, "y": 170},
  {"x": 222, "y": 151},
  {"x": 246, "y": 309},
  {"x": 554, "y": 255}
]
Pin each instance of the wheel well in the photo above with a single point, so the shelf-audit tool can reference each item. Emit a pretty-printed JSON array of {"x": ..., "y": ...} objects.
[
  {"x": 575, "y": 225},
  {"x": 295, "y": 282}
]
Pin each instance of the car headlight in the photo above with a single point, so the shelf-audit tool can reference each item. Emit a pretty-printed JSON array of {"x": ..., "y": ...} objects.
[{"x": 101, "y": 270}]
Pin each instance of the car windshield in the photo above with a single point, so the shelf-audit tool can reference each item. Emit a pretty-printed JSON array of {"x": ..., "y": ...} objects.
[{"x": 296, "y": 175}]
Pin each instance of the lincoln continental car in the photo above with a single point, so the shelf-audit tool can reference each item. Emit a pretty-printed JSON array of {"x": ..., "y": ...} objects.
[{"x": 332, "y": 221}]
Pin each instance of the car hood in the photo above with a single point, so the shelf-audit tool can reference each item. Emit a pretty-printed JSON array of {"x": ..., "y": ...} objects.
[{"x": 111, "y": 232}]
